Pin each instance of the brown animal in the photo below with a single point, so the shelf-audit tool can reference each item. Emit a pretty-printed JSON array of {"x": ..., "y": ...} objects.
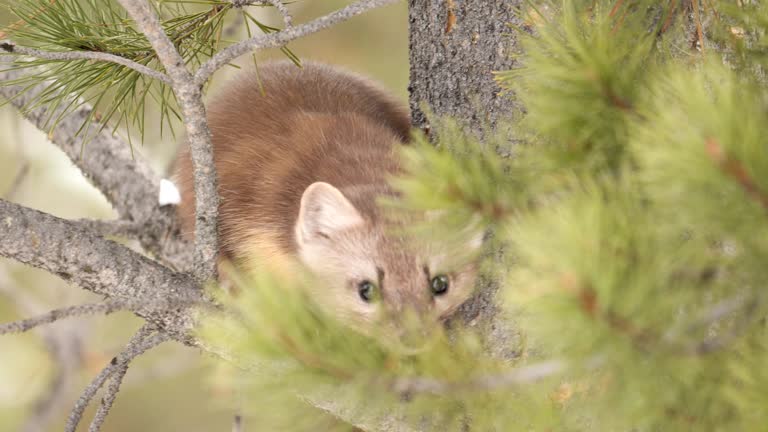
[{"x": 302, "y": 155}]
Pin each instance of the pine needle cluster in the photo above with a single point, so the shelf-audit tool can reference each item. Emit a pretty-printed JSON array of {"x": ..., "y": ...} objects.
[
  {"x": 635, "y": 219},
  {"x": 120, "y": 95}
]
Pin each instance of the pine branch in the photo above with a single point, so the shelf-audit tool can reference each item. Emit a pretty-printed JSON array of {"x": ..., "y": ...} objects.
[
  {"x": 139, "y": 344},
  {"x": 12, "y": 48},
  {"x": 273, "y": 40},
  {"x": 81, "y": 257},
  {"x": 58, "y": 314},
  {"x": 125, "y": 179},
  {"x": 189, "y": 98},
  {"x": 66, "y": 26}
]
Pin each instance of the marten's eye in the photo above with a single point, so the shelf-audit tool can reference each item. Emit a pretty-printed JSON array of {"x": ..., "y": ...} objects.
[
  {"x": 367, "y": 291},
  {"x": 439, "y": 285}
]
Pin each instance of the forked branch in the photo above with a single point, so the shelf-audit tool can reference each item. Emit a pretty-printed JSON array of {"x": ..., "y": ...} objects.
[{"x": 140, "y": 343}]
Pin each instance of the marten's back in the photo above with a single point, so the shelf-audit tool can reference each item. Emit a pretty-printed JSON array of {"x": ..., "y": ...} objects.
[{"x": 276, "y": 133}]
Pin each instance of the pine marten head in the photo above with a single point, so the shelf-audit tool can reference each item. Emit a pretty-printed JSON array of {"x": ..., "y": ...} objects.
[{"x": 370, "y": 274}]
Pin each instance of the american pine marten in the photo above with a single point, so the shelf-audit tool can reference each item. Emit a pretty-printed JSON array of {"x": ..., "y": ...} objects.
[{"x": 302, "y": 155}]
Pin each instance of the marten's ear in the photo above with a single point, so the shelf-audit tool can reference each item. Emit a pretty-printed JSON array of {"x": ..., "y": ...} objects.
[{"x": 324, "y": 210}]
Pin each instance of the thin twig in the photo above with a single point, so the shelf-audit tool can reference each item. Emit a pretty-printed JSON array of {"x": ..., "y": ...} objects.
[
  {"x": 670, "y": 16},
  {"x": 280, "y": 6},
  {"x": 108, "y": 400},
  {"x": 80, "y": 257},
  {"x": 277, "y": 4},
  {"x": 699, "y": 31},
  {"x": 21, "y": 326},
  {"x": 139, "y": 344},
  {"x": 189, "y": 97},
  {"x": 615, "y": 8},
  {"x": 11, "y": 48},
  {"x": 273, "y": 40}
]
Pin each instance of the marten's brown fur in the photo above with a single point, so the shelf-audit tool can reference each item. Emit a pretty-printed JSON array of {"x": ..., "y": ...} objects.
[{"x": 301, "y": 155}]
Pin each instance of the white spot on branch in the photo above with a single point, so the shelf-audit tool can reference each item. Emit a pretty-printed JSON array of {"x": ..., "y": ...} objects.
[{"x": 169, "y": 193}]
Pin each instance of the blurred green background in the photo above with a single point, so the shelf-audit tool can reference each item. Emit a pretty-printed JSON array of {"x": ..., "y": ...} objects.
[{"x": 171, "y": 388}]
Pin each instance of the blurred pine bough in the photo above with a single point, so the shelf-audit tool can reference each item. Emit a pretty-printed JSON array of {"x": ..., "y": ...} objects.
[{"x": 635, "y": 220}]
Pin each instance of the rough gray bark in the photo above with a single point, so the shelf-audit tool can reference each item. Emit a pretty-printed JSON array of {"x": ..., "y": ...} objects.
[
  {"x": 455, "y": 46},
  {"x": 190, "y": 99},
  {"x": 125, "y": 179},
  {"x": 104, "y": 267}
]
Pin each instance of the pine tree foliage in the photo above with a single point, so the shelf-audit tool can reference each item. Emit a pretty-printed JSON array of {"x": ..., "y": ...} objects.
[
  {"x": 120, "y": 95},
  {"x": 635, "y": 224}
]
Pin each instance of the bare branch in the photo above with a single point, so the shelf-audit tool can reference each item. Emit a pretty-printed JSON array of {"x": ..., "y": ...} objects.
[
  {"x": 279, "y": 39},
  {"x": 280, "y": 6},
  {"x": 57, "y": 314},
  {"x": 139, "y": 344},
  {"x": 190, "y": 99},
  {"x": 11, "y": 48},
  {"x": 108, "y": 400},
  {"x": 104, "y": 267},
  {"x": 126, "y": 180}
]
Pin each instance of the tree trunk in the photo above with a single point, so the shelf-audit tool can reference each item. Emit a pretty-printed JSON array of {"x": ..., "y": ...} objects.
[{"x": 455, "y": 46}]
